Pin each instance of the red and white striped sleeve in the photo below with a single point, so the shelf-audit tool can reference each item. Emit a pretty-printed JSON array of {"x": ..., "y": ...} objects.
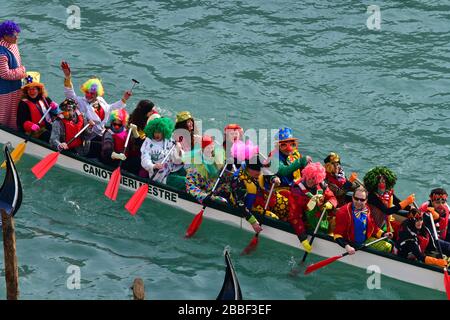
[{"x": 10, "y": 74}]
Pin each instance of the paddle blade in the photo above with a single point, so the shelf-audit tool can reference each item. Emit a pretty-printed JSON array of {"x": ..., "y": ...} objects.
[
  {"x": 195, "y": 224},
  {"x": 18, "y": 152},
  {"x": 447, "y": 283},
  {"x": 251, "y": 246},
  {"x": 113, "y": 185},
  {"x": 42, "y": 167},
  {"x": 136, "y": 200},
  {"x": 321, "y": 264}
]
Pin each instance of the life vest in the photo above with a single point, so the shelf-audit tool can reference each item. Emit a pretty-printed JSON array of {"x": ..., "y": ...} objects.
[
  {"x": 119, "y": 141},
  {"x": 36, "y": 111},
  {"x": 423, "y": 242},
  {"x": 443, "y": 220},
  {"x": 71, "y": 129},
  {"x": 249, "y": 183}
]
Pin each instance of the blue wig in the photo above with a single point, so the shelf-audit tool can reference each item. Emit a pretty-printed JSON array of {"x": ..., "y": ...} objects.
[{"x": 8, "y": 27}]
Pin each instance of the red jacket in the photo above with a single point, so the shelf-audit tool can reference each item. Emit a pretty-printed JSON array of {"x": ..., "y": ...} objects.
[
  {"x": 345, "y": 226},
  {"x": 297, "y": 206},
  {"x": 443, "y": 220}
]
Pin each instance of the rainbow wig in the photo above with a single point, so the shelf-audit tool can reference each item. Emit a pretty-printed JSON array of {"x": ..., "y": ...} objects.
[
  {"x": 8, "y": 27},
  {"x": 93, "y": 85},
  {"x": 163, "y": 125},
  {"x": 118, "y": 114},
  {"x": 314, "y": 171}
]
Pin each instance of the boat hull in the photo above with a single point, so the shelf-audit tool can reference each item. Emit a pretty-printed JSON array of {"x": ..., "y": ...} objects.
[{"x": 411, "y": 272}]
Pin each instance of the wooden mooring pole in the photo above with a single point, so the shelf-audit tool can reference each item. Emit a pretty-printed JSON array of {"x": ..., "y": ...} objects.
[
  {"x": 9, "y": 248},
  {"x": 138, "y": 289}
]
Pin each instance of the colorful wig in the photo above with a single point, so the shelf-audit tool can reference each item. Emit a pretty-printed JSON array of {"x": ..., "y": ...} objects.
[
  {"x": 118, "y": 114},
  {"x": 93, "y": 85},
  {"x": 163, "y": 125},
  {"x": 244, "y": 151},
  {"x": 8, "y": 27},
  {"x": 314, "y": 171},
  {"x": 372, "y": 178}
]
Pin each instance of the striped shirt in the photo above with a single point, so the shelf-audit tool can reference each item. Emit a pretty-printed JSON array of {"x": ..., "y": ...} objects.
[{"x": 9, "y": 102}]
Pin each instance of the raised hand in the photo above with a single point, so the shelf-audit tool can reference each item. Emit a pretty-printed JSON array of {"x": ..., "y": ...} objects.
[{"x": 66, "y": 69}]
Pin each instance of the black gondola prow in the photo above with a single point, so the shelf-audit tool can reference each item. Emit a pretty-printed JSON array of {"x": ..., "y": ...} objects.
[{"x": 230, "y": 289}]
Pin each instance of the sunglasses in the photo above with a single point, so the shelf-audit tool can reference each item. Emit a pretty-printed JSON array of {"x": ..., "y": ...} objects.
[
  {"x": 359, "y": 199},
  {"x": 285, "y": 145}
]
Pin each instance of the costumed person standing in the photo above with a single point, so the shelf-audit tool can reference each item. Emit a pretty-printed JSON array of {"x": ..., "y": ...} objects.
[
  {"x": 308, "y": 198},
  {"x": 380, "y": 182},
  {"x": 336, "y": 180},
  {"x": 186, "y": 131},
  {"x": 355, "y": 225},
  {"x": 32, "y": 107},
  {"x": 415, "y": 239},
  {"x": 440, "y": 210},
  {"x": 11, "y": 73},
  {"x": 67, "y": 124},
  {"x": 156, "y": 147},
  {"x": 92, "y": 105}
]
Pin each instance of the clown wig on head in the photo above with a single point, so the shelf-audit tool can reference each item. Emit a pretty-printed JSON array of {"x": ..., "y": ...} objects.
[
  {"x": 118, "y": 114},
  {"x": 372, "y": 178},
  {"x": 163, "y": 125},
  {"x": 8, "y": 27},
  {"x": 93, "y": 85},
  {"x": 314, "y": 171}
]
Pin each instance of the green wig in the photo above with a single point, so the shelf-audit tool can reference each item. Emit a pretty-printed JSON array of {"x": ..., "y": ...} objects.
[
  {"x": 163, "y": 125},
  {"x": 372, "y": 178}
]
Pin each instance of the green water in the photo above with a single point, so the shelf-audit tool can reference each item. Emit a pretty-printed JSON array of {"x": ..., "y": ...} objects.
[{"x": 377, "y": 97}]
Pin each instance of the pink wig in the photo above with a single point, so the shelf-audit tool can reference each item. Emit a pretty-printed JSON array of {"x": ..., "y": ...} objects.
[
  {"x": 314, "y": 171},
  {"x": 244, "y": 151}
]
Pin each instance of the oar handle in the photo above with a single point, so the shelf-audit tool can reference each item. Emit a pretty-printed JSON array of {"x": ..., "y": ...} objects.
[
  {"x": 365, "y": 245},
  {"x": 215, "y": 185},
  {"x": 78, "y": 134},
  {"x": 46, "y": 112},
  {"x": 163, "y": 161},
  {"x": 315, "y": 233},
  {"x": 128, "y": 140},
  {"x": 269, "y": 196}
]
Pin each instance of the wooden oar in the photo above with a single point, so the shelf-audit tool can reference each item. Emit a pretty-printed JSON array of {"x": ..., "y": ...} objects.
[
  {"x": 197, "y": 221},
  {"x": 254, "y": 242},
  {"x": 326, "y": 262},
  {"x": 42, "y": 167},
  {"x": 446, "y": 276},
  {"x": 314, "y": 234},
  {"x": 113, "y": 185},
  {"x": 138, "y": 197},
  {"x": 19, "y": 150}
]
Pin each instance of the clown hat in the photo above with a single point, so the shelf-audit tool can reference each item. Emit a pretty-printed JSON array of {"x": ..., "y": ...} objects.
[
  {"x": 33, "y": 80},
  {"x": 183, "y": 116},
  {"x": 284, "y": 134}
]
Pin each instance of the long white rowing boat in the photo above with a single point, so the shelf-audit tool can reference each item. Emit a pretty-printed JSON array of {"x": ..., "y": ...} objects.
[{"x": 389, "y": 265}]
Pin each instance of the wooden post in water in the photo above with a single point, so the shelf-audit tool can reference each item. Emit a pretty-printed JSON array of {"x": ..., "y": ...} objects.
[
  {"x": 9, "y": 248},
  {"x": 138, "y": 289}
]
